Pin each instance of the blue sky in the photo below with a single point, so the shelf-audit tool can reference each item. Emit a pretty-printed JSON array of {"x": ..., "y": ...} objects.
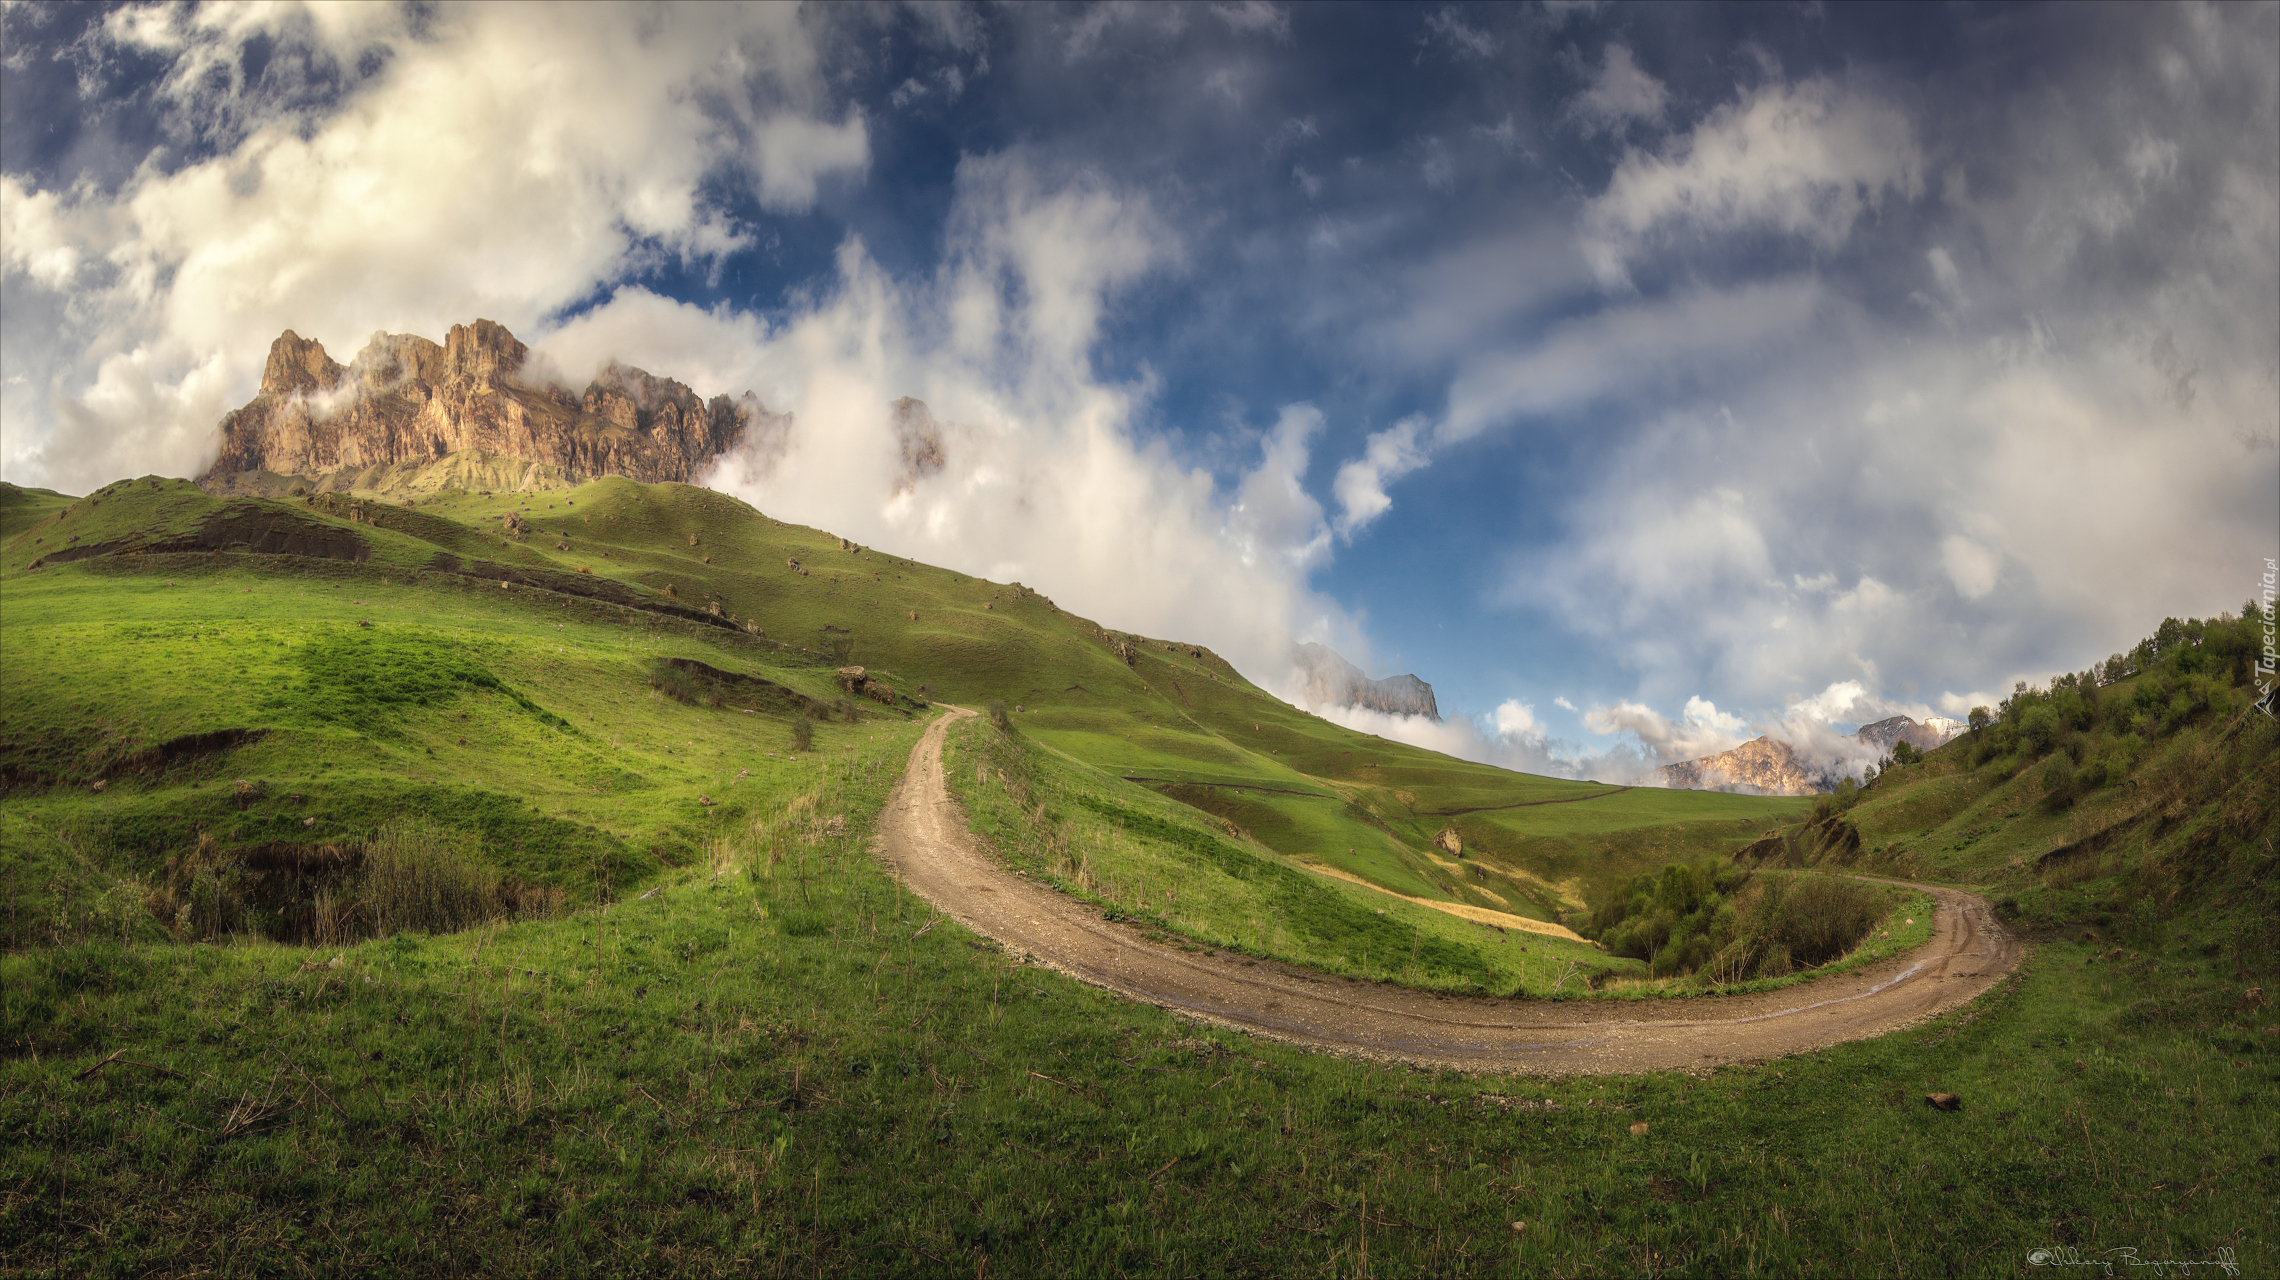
[{"x": 1643, "y": 377}]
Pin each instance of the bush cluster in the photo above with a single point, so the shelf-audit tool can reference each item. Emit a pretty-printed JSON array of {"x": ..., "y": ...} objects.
[
  {"x": 1718, "y": 920},
  {"x": 1675, "y": 919}
]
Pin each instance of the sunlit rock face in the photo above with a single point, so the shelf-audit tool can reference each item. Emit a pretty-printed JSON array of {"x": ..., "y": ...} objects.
[
  {"x": 1763, "y": 766},
  {"x": 405, "y": 401},
  {"x": 1769, "y": 766}
]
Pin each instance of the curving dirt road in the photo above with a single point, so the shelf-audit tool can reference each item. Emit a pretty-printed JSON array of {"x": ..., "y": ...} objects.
[{"x": 924, "y": 839}]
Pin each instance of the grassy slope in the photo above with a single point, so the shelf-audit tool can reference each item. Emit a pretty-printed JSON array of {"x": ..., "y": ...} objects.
[
  {"x": 782, "y": 1071},
  {"x": 1175, "y": 875},
  {"x": 776, "y": 1071},
  {"x": 21, "y": 508},
  {"x": 1175, "y": 714}
]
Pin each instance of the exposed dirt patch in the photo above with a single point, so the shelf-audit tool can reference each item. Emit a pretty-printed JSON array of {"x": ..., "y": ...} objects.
[
  {"x": 923, "y": 838},
  {"x": 190, "y": 748},
  {"x": 259, "y": 528},
  {"x": 41, "y": 764},
  {"x": 271, "y": 531},
  {"x": 585, "y": 587},
  {"x": 761, "y": 693}
]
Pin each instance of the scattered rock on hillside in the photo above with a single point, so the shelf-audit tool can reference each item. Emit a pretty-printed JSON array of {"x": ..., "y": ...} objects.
[{"x": 1944, "y": 1101}]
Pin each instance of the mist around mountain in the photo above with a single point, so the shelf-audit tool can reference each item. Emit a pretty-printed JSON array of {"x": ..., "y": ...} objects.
[
  {"x": 1771, "y": 766},
  {"x": 1330, "y": 680}
]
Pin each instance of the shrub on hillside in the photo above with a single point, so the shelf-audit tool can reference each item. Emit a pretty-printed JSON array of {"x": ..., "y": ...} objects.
[
  {"x": 1810, "y": 920},
  {"x": 1675, "y": 919},
  {"x": 999, "y": 718},
  {"x": 1716, "y": 920},
  {"x": 1830, "y": 804},
  {"x": 803, "y": 733},
  {"x": 2059, "y": 786},
  {"x": 686, "y": 687},
  {"x": 416, "y": 878}
]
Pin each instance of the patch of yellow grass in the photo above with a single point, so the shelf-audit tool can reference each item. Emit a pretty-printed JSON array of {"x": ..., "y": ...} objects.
[{"x": 1461, "y": 910}]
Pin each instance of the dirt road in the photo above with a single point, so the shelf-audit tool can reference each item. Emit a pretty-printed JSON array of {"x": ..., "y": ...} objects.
[{"x": 924, "y": 839}]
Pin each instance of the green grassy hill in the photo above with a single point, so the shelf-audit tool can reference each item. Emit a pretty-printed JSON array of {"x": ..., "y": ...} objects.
[
  {"x": 2107, "y": 804},
  {"x": 520, "y": 627},
  {"x": 695, "y": 1030}
]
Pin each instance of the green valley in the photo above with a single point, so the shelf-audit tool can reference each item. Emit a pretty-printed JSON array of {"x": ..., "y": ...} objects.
[{"x": 483, "y": 883}]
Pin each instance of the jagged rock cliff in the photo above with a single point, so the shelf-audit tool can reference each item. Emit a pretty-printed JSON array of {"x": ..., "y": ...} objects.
[
  {"x": 1333, "y": 681},
  {"x": 406, "y": 402}
]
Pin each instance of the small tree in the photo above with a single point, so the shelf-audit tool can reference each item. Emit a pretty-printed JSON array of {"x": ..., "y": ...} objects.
[
  {"x": 1980, "y": 718},
  {"x": 803, "y": 734}
]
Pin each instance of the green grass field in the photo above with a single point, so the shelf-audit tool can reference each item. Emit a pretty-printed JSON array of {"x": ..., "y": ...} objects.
[
  {"x": 727, "y": 1043},
  {"x": 784, "y": 1071}
]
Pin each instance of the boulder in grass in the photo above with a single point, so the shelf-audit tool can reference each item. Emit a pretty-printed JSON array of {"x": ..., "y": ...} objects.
[{"x": 1944, "y": 1101}]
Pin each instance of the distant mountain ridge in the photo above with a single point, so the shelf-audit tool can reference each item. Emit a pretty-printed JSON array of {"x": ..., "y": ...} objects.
[
  {"x": 1333, "y": 681},
  {"x": 1769, "y": 766},
  {"x": 1923, "y": 734},
  {"x": 405, "y": 404}
]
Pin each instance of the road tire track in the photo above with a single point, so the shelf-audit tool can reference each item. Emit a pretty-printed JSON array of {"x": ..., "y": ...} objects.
[{"x": 924, "y": 840}]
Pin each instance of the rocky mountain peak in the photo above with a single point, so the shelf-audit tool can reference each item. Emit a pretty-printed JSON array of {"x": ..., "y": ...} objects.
[
  {"x": 408, "y": 402},
  {"x": 299, "y": 366},
  {"x": 483, "y": 351},
  {"x": 1922, "y": 735}
]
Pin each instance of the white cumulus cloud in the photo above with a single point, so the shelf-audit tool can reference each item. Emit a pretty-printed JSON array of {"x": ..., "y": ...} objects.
[{"x": 1806, "y": 159}]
